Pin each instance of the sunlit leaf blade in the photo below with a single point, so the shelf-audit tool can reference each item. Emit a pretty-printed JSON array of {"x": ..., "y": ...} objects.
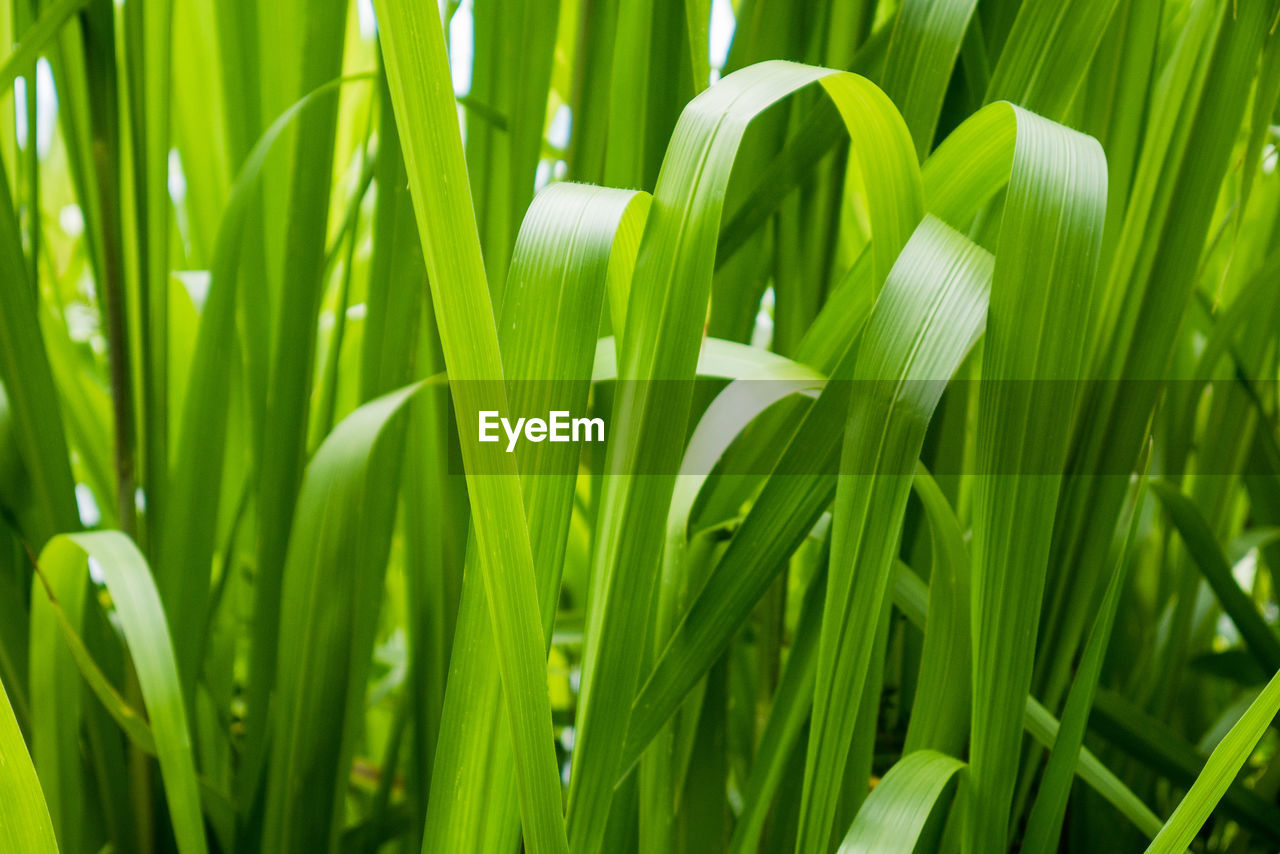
[
  {"x": 549, "y": 318},
  {"x": 1048, "y": 51},
  {"x": 28, "y": 381},
  {"x": 137, "y": 605},
  {"x": 716, "y": 358},
  {"x": 332, "y": 587},
  {"x": 1033, "y": 359},
  {"x": 1223, "y": 765},
  {"x": 897, "y": 810},
  {"x": 922, "y": 51},
  {"x": 417, "y": 69},
  {"x": 664, "y": 317},
  {"x": 25, "y": 827},
  {"x": 905, "y": 360},
  {"x": 186, "y": 544}
]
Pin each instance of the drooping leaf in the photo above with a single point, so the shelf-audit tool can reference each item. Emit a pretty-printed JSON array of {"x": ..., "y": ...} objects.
[
  {"x": 142, "y": 621},
  {"x": 897, "y": 810}
]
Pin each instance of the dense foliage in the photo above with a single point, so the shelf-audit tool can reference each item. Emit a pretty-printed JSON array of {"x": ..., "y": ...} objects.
[{"x": 939, "y": 507}]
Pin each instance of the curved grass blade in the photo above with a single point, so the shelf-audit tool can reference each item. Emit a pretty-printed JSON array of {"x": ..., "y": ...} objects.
[
  {"x": 55, "y": 696},
  {"x": 49, "y": 604},
  {"x": 930, "y": 313},
  {"x": 940, "y": 714},
  {"x": 966, "y": 171},
  {"x": 716, "y": 358},
  {"x": 789, "y": 504},
  {"x": 792, "y": 498},
  {"x": 25, "y": 827},
  {"x": 911, "y": 595},
  {"x": 142, "y": 621},
  {"x": 664, "y": 321},
  {"x": 186, "y": 544},
  {"x": 333, "y": 586},
  {"x": 895, "y": 814},
  {"x": 729, "y": 415},
  {"x": 732, "y": 411},
  {"x": 1034, "y": 357},
  {"x": 57, "y": 592}
]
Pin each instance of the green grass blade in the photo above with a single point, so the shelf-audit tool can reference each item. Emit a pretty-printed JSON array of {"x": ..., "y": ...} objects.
[
  {"x": 28, "y": 380},
  {"x": 791, "y": 501},
  {"x": 931, "y": 311},
  {"x": 148, "y": 71},
  {"x": 898, "y": 809},
  {"x": 145, "y": 629},
  {"x": 940, "y": 713},
  {"x": 1045, "y": 58},
  {"x": 418, "y": 73},
  {"x": 716, "y": 358},
  {"x": 1195, "y": 110},
  {"x": 911, "y": 596},
  {"x": 530, "y": 69},
  {"x": 55, "y": 698},
  {"x": 549, "y": 318},
  {"x": 186, "y": 545},
  {"x": 1041, "y": 304},
  {"x": 787, "y": 716},
  {"x": 971, "y": 166},
  {"x": 1044, "y": 728},
  {"x": 1259, "y": 637},
  {"x": 1045, "y": 821},
  {"x": 664, "y": 320},
  {"x": 25, "y": 827},
  {"x": 33, "y": 41},
  {"x": 725, "y": 419},
  {"x": 1219, "y": 772},
  {"x": 56, "y": 590},
  {"x": 292, "y": 340},
  {"x": 333, "y": 584},
  {"x": 922, "y": 53},
  {"x": 1161, "y": 749}
]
